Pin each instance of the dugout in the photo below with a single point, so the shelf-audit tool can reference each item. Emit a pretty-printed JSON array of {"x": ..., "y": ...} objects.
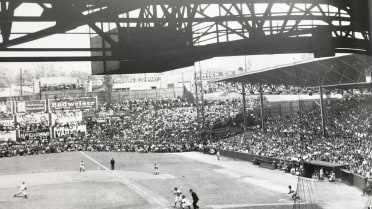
[{"x": 315, "y": 165}]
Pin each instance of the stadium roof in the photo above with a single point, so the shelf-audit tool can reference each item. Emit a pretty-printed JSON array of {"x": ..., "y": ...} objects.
[
  {"x": 324, "y": 163},
  {"x": 345, "y": 69},
  {"x": 348, "y": 86}
]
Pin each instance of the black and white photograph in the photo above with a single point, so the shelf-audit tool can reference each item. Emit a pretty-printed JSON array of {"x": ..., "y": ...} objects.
[{"x": 185, "y": 104}]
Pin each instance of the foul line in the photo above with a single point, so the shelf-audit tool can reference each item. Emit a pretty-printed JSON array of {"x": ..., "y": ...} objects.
[{"x": 151, "y": 198}]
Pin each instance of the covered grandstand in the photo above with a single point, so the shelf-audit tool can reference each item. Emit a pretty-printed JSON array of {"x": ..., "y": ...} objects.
[{"x": 330, "y": 73}]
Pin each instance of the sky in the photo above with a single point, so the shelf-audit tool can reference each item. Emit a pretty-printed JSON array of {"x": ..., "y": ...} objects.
[
  {"x": 73, "y": 40},
  {"x": 61, "y": 40}
]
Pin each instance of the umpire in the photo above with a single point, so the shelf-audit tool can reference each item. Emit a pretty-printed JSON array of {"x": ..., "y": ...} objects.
[
  {"x": 195, "y": 199},
  {"x": 112, "y": 162}
]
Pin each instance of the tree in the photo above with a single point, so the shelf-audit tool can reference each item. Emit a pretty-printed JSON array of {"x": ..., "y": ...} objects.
[
  {"x": 8, "y": 75},
  {"x": 27, "y": 77},
  {"x": 79, "y": 74},
  {"x": 46, "y": 70},
  {"x": 107, "y": 85}
]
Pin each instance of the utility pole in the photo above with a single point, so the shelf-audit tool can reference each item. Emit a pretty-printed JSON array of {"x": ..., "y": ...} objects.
[
  {"x": 20, "y": 80},
  {"x": 40, "y": 89}
]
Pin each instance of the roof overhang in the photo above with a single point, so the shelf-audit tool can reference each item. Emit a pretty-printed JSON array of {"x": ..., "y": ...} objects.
[
  {"x": 347, "y": 69},
  {"x": 348, "y": 86}
]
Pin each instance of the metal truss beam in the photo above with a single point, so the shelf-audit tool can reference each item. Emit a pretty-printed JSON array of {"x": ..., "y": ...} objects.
[
  {"x": 54, "y": 49},
  {"x": 68, "y": 15},
  {"x": 58, "y": 59},
  {"x": 201, "y": 26}
]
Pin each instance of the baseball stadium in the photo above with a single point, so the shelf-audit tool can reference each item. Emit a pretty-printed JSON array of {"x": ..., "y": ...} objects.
[{"x": 212, "y": 104}]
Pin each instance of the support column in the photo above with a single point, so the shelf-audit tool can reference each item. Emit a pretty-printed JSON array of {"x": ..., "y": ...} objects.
[
  {"x": 197, "y": 101},
  {"x": 322, "y": 110},
  {"x": 244, "y": 112},
  {"x": 156, "y": 116},
  {"x": 262, "y": 110},
  {"x": 370, "y": 21},
  {"x": 202, "y": 98},
  {"x": 7, "y": 12}
]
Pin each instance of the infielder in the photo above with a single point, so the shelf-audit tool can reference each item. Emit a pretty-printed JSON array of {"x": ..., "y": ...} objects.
[
  {"x": 156, "y": 167},
  {"x": 22, "y": 190},
  {"x": 82, "y": 166}
]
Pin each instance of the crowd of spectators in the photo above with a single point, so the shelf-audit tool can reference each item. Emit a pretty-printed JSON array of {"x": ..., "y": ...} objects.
[
  {"x": 226, "y": 88},
  {"x": 164, "y": 125},
  {"x": 171, "y": 125},
  {"x": 61, "y": 87},
  {"x": 300, "y": 138}
]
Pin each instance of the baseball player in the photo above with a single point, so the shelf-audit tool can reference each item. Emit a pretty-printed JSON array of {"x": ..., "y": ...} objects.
[
  {"x": 185, "y": 202},
  {"x": 177, "y": 197},
  {"x": 156, "y": 166},
  {"x": 22, "y": 190},
  {"x": 218, "y": 155},
  {"x": 82, "y": 166}
]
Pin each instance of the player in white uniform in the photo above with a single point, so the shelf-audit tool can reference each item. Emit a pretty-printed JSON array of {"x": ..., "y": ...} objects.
[
  {"x": 156, "y": 166},
  {"x": 82, "y": 166},
  {"x": 293, "y": 194},
  {"x": 22, "y": 190},
  {"x": 177, "y": 197},
  {"x": 185, "y": 202}
]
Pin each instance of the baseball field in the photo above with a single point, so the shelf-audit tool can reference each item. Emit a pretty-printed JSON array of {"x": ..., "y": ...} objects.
[{"x": 54, "y": 181}]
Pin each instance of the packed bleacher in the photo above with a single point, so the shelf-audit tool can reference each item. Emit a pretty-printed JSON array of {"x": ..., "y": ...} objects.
[
  {"x": 168, "y": 125},
  {"x": 164, "y": 125},
  {"x": 347, "y": 141},
  {"x": 61, "y": 87}
]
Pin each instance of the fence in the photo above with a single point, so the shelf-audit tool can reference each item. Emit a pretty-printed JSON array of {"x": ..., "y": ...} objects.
[
  {"x": 248, "y": 157},
  {"x": 347, "y": 177},
  {"x": 353, "y": 179}
]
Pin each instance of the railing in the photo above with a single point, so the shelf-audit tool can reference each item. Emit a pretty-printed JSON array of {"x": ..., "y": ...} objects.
[
  {"x": 251, "y": 157},
  {"x": 359, "y": 181},
  {"x": 353, "y": 179},
  {"x": 346, "y": 176}
]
